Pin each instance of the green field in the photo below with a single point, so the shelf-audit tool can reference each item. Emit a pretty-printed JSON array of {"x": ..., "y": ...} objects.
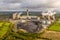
[
  {"x": 55, "y": 26},
  {"x": 7, "y": 33},
  {"x": 4, "y": 26}
]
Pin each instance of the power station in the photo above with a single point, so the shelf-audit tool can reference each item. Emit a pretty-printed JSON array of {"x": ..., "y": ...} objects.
[{"x": 34, "y": 23}]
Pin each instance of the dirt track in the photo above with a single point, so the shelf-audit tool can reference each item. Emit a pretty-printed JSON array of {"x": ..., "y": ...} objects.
[{"x": 53, "y": 35}]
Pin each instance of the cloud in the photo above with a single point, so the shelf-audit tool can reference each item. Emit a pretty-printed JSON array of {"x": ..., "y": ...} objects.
[
  {"x": 9, "y": 5},
  {"x": 56, "y": 4},
  {"x": 41, "y": 4},
  {"x": 31, "y": 4}
]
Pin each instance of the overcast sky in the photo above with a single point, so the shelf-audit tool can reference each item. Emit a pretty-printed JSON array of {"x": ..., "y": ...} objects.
[{"x": 30, "y": 4}]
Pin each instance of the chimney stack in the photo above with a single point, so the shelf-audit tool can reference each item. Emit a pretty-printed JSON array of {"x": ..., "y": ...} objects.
[{"x": 27, "y": 13}]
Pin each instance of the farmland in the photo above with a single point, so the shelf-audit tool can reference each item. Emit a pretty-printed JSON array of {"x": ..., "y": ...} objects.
[
  {"x": 7, "y": 33},
  {"x": 55, "y": 26},
  {"x": 4, "y": 27},
  {"x": 53, "y": 31}
]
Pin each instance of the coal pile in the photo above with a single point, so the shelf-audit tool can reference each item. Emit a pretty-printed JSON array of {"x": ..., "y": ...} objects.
[{"x": 28, "y": 26}]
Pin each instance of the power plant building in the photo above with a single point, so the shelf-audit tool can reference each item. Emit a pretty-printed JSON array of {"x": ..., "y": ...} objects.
[{"x": 43, "y": 19}]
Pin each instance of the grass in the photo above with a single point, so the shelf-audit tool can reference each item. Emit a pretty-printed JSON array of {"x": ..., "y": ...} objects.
[
  {"x": 53, "y": 32},
  {"x": 55, "y": 26},
  {"x": 11, "y": 35},
  {"x": 4, "y": 26},
  {"x": 19, "y": 35}
]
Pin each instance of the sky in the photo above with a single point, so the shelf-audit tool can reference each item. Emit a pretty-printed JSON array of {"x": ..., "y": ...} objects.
[{"x": 29, "y": 4}]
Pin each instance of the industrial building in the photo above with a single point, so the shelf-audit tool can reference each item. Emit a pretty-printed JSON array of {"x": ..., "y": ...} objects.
[{"x": 34, "y": 23}]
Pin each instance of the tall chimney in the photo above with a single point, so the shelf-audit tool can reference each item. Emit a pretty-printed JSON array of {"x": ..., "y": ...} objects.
[{"x": 27, "y": 13}]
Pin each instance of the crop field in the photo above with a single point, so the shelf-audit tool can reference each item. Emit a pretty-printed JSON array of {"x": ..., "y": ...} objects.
[
  {"x": 53, "y": 32},
  {"x": 51, "y": 35},
  {"x": 4, "y": 26},
  {"x": 7, "y": 33},
  {"x": 55, "y": 26}
]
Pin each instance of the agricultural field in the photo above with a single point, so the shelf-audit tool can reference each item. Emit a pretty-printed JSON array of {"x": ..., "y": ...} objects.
[
  {"x": 55, "y": 26},
  {"x": 4, "y": 27},
  {"x": 53, "y": 32},
  {"x": 51, "y": 35},
  {"x": 7, "y": 33}
]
